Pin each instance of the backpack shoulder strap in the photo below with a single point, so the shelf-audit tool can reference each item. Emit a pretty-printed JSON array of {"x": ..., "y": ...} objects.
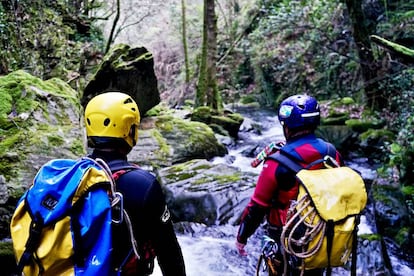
[
  {"x": 121, "y": 165},
  {"x": 293, "y": 164},
  {"x": 285, "y": 159}
]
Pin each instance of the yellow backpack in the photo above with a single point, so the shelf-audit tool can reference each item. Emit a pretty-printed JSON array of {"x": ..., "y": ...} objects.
[{"x": 322, "y": 224}]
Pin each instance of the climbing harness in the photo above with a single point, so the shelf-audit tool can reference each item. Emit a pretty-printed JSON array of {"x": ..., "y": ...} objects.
[{"x": 268, "y": 263}]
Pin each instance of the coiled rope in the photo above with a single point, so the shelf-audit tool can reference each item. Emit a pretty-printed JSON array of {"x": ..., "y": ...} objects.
[{"x": 298, "y": 217}]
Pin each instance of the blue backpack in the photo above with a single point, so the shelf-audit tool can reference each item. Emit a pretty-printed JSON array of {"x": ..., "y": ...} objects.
[{"x": 62, "y": 224}]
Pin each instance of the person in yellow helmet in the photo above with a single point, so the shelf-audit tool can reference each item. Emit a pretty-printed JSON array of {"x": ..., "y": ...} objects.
[{"x": 112, "y": 121}]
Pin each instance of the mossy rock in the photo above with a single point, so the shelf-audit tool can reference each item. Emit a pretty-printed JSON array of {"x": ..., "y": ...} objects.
[
  {"x": 337, "y": 119},
  {"x": 388, "y": 199},
  {"x": 129, "y": 70},
  {"x": 340, "y": 108},
  {"x": 377, "y": 135},
  {"x": 39, "y": 120},
  {"x": 219, "y": 129},
  {"x": 228, "y": 120},
  {"x": 231, "y": 125},
  {"x": 202, "y": 114},
  {"x": 189, "y": 139},
  {"x": 362, "y": 125}
]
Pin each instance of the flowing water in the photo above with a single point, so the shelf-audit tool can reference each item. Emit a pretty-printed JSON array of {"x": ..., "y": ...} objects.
[{"x": 211, "y": 250}]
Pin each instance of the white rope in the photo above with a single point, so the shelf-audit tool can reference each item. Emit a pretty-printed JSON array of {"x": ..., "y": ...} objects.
[
  {"x": 115, "y": 200},
  {"x": 312, "y": 230}
]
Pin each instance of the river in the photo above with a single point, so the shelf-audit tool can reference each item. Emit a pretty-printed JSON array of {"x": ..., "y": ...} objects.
[{"x": 210, "y": 251}]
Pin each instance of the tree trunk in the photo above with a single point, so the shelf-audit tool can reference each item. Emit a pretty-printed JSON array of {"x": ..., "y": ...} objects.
[
  {"x": 369, "y": 66},
  {"x": 207, "y": 93},
  {"x": 213, "y": 96},
  {"x": 111, "y": 34},
  {"x": 200, "y": 99},
  {"x": 184, "y": 40}
]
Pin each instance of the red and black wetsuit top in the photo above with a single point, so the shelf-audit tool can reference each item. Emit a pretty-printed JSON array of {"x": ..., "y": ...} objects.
[
  {"x": 277, "y": 185},
  {"x": 145, "y": 204}
]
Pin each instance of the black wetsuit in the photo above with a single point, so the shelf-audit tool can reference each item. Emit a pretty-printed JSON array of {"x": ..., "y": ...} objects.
[{"x": 144, "y": 201}]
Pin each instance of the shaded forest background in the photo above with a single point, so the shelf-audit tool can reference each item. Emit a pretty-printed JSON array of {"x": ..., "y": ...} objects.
[{"x": 265, "y": 51}]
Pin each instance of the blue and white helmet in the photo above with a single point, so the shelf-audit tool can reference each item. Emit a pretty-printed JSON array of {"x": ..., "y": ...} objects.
[{"x": 299, "y": 111}]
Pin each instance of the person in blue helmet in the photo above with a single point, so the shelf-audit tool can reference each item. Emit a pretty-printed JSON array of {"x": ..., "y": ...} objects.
[
  {"x": 276, "y": 186},
  {"x": 112, "y": 120}
]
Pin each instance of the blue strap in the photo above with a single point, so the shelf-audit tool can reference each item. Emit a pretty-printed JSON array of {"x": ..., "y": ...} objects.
[
  {"x": 292, "y": 163},
  {"x": 286, "y": 160}
]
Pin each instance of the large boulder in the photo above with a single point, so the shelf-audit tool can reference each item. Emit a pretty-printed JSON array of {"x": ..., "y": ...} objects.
[
  {"x": 129, "y": 70},
  {"x": 202, "y": 192},
  {"x": 39, "y": 121}
]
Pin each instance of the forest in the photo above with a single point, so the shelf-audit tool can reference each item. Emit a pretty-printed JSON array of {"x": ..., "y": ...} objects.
[{"x": 215, "y": 53}]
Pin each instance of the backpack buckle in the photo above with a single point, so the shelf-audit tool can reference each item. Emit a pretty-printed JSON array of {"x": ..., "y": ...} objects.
[
  {"x": 330, "y": 162},
  {"x": 118, "y": 208}
]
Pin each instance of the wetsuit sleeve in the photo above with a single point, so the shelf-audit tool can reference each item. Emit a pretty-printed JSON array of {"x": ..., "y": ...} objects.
[
  {"x": 260, "y": 202},
  {"x": 166, "y": 246}
]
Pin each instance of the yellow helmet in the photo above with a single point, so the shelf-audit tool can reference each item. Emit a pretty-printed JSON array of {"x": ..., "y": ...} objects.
[{"x": 111, "y": 119}]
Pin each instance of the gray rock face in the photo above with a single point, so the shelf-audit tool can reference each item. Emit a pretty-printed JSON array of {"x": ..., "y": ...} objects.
[{"x": 211, "y": 194}]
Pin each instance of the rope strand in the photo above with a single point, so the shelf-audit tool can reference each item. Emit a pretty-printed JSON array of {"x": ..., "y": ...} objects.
[
  {"x": 115, "y": 200},
  {"x": 300, "y": 247}
]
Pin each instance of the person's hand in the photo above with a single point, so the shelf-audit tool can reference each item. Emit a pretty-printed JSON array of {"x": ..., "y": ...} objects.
[{"x": 240, "y": 248}]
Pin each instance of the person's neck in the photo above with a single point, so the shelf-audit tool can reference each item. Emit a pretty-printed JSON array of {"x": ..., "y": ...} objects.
[
  {"x": 109, "y": 154},
  {"x": 298, "y": 134}
]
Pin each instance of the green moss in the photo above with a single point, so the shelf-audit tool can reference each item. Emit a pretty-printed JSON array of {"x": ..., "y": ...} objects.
[
  {"x": 337, "y": 119},
  {"x": 408, "y": 191},
  {"x": 164, "y": 123},
  {"x": 347, "y": 101},
  {"x": 119, "y": 58},
  {"x": 221, "y": 120},
  {"x": 230, "y": 178},
  {"x": 377, "y": 134},
  {"x": 360, "y": 125},
  {"x": 55, "y": 140},
  {"x": 192, "y": 165},
  {"x": 6, "y": 248},
  {"x": 383, "y": 193},
  {"x": 188, "y": 103},
  {"x": 219, "y": 179},
  {"x": 204, "y": 179},
  {"x": 164, "y": 148},
  {"x": 219, "y": 129},
  {"x": 78, "y": 148},
  {"x": 202, "y": 114},
  {"x": 402, "y": 236},
  {"x": 370, "y": 237},
  {"x": 236, "y": 117},
  {"x": 158, "y": 110},
  {"x": 22, "y": 93},
  {"x": 179, "y": 177},
  {"x": 13, "y": 138},
  {"x": 248, "y": 99}
]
